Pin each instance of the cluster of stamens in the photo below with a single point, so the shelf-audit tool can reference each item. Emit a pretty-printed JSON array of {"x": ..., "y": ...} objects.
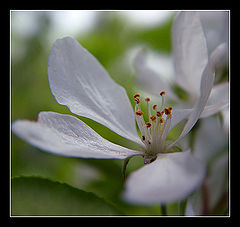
[{"x": 155, "y": 130}]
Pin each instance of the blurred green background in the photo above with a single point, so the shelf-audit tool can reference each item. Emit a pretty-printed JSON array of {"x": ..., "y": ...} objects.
[{"x": 113, "y": 38}]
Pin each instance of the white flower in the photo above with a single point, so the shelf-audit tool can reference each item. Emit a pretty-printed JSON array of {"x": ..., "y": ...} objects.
[
  {"x": 79, "y": 81},
  {"x": 190, "y": 57}
]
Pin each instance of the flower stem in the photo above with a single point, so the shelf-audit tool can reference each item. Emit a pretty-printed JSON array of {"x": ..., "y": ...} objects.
[
  {"x": 124, "y": 168},
  {"x": 163, "y": 209}
]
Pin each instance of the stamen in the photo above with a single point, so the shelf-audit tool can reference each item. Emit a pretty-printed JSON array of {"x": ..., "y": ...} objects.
[
  {"x": 153, "y": 118},
  {"x": 158, "y": 113},
  {"x": 136, "y": 96},
  {"x": 137, "y": 100},
  {"x": 148, "y": 124},
  {"x": 168, "y": 110},
  {"x": 147, "y": 99},
  {"x": 139, "y": 113},
  {"x": 148, "y": 106},
  {"x": 162, "y": 93},
  {"x": 155, "y": 107},
  {"x": 155, "y": 130}
]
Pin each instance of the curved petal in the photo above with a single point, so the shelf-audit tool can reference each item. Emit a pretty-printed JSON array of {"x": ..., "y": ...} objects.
[
  {"x": 170, "y": 177},
  {"x": 209, "y": 139},
  {"x": 205, "y": 90},
  {"x": 67, "y": 136},
  {"x": 190, "y": 52},
  {"x": 179, "y": 115},
  {"x": 148, "y": 79},
  {"x": 80, "y": 82},
  {"x": 218, "y": 99}
]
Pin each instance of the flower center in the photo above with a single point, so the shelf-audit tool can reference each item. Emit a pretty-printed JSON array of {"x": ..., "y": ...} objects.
[{"x": 155, "y": 130}]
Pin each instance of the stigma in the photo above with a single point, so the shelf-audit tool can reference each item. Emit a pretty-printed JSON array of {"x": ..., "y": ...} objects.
[{"x": 155, "y": 129}]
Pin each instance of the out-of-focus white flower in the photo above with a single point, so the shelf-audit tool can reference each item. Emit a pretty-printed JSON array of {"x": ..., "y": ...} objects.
[
  {"x": 79, "y": 81},
  {"x": 210, "y": 146},
  {"x": 190, "y": 56}
]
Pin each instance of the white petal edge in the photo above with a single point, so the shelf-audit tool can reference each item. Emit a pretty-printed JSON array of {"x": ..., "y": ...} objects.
[
  {"x": 218, "y": 99},
  {"x": 205, "y": 90},
  {"x": 169, "y": 178},
  {"x": 80, "y": 82},
  {"x": 66, "y": 135},
  {"x": 190, "y": 52}
]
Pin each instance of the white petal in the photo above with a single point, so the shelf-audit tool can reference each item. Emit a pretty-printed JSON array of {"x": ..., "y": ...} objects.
[
  {"x": 209, "y": 139},
  {"x": 179, "y": 115},
  {"x": 189, "y": 50},
  {"x": 205, "y": 90},
  {"x": 150, "y": 80},
  {"x": 80, "y": 82},
  {"x": 170, "y": 177},
  {"x": 218, "y": 99},
  {"x": 67, "y": 136}
]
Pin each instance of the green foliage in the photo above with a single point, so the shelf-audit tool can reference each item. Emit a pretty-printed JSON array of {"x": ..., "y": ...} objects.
[{"x": 37, "y": 196}]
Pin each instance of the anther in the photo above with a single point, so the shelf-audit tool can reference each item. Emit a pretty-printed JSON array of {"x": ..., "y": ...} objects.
[
  {"x": 162, "y": 93},
  {"x": 137, "y": 100},
  {"x": 161, "y": 120},
  {"x": 149, "y": 142},
  {"x": 154, "y": 107},
  {"x": 153, "y": 118},
  {"x": 143, "y": 138},
  {"x": 158, "y": 113},
  {"x": 168, "y": 110},
  {"x": 136, "y": 96},
  {"x": 148, "y": 124},
  {"x": 139, "y": 113},
  {"x": 147, "y": 99}
]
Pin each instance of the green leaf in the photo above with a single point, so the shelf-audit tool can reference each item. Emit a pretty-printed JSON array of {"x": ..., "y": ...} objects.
[{"x": 38, "y": 196}]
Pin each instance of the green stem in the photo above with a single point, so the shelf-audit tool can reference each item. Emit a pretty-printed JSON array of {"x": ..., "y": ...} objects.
[
  {"x": 163, "y": 209},
  {"x": 182, "y": 207},
  {"x": 124, "y": 168}
]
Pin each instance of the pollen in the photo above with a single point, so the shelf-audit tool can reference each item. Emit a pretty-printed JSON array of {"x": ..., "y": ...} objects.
[
  {"x": 139, "y": 113},
  {"x": 154, "y": 107},
  {"x": 137, "y": 100},
  {"x": 148, "y": 124},
  {"x": 153, "y": 118},
  {"x": 162, "y": 93},
  {"x": 154, "y": 129},
  {"x": 136, "y": 96},
  {"x": 158, "y": 113},
  {"x": 168, "y": 110},
  {"x": 147, "y": 99}
]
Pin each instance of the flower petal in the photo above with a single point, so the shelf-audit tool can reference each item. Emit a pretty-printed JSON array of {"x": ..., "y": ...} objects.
[
  {"x": 150, "y": 80},
  {"x": 80, "y": 82},
  {"x": 189, "y": 50},
  {"x": 218, "y": 99},
  {"x": 209, "y": 139},
  {"x": 205, "y": 90},
  {"x": 170, "y": 177},
  {"x": 67, "y": 136},
  {"x": 179, "y": 115}
]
